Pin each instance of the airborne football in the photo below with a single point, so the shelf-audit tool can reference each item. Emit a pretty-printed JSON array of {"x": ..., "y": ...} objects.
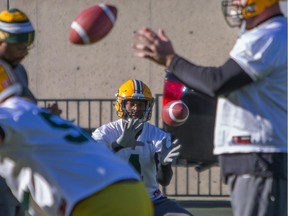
[
  {"x": 175, "y": 113},
  {"x": 93, "y": 24}
]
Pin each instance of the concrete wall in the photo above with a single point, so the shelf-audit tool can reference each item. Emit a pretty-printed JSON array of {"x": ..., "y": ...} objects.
[{"x": 59, "y": 69}]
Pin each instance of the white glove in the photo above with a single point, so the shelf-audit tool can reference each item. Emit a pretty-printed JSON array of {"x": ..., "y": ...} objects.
[
  {"x": 127, "y": 139},
  {"x": 168, "y": 154}
]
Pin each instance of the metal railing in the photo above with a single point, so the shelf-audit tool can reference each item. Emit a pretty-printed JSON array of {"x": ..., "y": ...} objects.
[{"x": 186, "y": 181}]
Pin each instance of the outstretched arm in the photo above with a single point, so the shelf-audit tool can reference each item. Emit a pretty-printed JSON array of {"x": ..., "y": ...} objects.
[{"x": 212, "y": 81}]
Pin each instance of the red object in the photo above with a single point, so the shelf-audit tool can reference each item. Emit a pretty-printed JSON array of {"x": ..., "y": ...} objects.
[
  {"x": 175, "y": 113},
  {"x": 93, "y": 24},
  {"x": 173, "y": 90},
  {"x": 242, "y": 139}
]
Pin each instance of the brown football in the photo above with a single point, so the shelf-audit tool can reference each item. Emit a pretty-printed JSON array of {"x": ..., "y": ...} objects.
[
  {"x": 175, "y": 113},
  {"x": 93, "y": 24}
]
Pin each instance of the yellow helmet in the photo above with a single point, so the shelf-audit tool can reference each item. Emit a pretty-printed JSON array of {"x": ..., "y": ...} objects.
[
  {"x": 134, "y": 89},
  {"x": 234, "y": 12},
  {"x": 8, "y": 84},
  {"x": 15, "y": 27}
]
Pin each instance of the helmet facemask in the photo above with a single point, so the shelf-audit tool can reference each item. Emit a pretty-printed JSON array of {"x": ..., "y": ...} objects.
[
  {"x": 145, "y": 113},
  {"x": 235, "y": 12},
  {"x": 134, "y": 90},
  {"x": 232, "y": 13}
]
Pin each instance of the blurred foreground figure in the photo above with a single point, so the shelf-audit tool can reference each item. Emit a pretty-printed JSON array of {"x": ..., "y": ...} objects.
[
  {"x": 251, "y": 86},
  {"x": 16, "y": 39},
  {"x": 60, "y": 166}
]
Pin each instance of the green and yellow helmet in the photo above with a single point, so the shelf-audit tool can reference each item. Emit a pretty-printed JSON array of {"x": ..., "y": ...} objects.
[
  {"x": 137, "y": 90},
  {"x": 255, "y": 7},
  {"x": 235, "y": 11},
  {"x": 15, "y": 27}
]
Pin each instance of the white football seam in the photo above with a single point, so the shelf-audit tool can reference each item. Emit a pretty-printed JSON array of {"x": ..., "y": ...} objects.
[
  {"x": 108, "y": 12},
  {"x": 81, "y": 32},
  {"x": 172, "y": 115}
]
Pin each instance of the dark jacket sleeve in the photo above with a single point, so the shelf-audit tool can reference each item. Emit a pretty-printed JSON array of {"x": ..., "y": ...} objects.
[{"x": 212, "y": 81}]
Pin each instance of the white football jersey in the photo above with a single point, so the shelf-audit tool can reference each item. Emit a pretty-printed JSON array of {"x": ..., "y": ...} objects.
[
  {"x": 254, "y": 117},
  {"x": 141, "y": 157},
  {"x": 53, "y": 159}
]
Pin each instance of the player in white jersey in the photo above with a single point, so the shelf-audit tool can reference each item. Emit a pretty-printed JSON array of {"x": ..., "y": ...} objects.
[
  {"x": 251, "y": 86},
  {"x": 16, "y": 35},
  {"x": 145, "y": 146},
  {"x": 65, "y": 171}
]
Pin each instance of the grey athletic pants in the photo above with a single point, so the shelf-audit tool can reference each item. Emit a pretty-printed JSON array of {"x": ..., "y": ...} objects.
[{"x": 258, "y": 196}]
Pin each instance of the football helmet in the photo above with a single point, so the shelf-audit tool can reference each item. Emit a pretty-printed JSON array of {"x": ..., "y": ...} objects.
[
  {"x": 8, "y": 84},
  {"x": 15, "y": 27},
  {"x": 235, "y": 12},
  {"x": 134, "y": 89}
]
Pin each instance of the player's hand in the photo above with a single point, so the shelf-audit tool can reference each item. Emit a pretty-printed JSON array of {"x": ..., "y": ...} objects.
[
  {"x": 54, "y": 109},
  {"x": 131, "y": 128},
  {"x": 156, "y": 47},
  {"x": 168, "y": 154}
]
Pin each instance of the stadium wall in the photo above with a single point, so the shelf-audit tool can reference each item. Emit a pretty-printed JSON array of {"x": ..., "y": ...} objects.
[{"x": 58, "y": 69}]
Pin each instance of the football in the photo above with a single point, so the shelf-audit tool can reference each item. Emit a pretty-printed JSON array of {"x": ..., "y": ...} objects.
[
  {"x": 175, "y": 113},
  {"x": 93, "y": 24}
]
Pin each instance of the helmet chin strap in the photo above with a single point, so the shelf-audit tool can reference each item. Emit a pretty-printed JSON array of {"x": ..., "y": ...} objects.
[
  {"x": 242, "y": 28},
  {"x": 129, "y": 117}
]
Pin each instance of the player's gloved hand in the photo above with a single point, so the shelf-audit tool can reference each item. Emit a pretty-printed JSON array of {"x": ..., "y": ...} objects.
[
  {"x": 54, "y": 109},
  {"x": 168, "y": 154},
  {"x": 127, "y": 139}
]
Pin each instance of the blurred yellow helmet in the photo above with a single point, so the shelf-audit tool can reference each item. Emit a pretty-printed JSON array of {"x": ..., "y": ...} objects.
[
  {"x": 8, "y": 84},
  {"x": 137, "y": 90},
  {"x": 255, "y": 7},
  {"x": 15, "y": 27},
  {"x": 235, "y": 11}
]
